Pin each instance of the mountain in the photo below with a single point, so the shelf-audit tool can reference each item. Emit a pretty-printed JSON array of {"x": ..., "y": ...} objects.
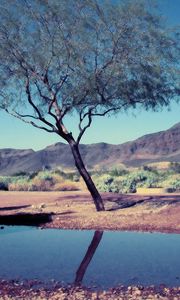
[{"x": 155, "y": 147}]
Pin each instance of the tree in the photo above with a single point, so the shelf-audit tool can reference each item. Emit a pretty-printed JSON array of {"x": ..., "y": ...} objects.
[{"x": 92, "y": 58}]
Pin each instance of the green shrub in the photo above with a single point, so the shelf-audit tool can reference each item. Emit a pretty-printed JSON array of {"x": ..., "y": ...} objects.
[
  {"x": 104, "y": 182},
  {"x": 175, "y": 167},
  {"x": 76, "y": 178},
  {"x": 118, "y": 172},
  {"x": 144, "y": 178},
  {"x": 72, "y": 176},
  {"x": 3, "y": 186},
  {"x": 125, "y": 184},
  {"x": 4, "y": 182},
  {"x": 19, "y": 186},
  {"x": 170, "y": 190},
  {"x": 59, "y": 172},
  {"x": 32, "y": 175},
  {"x": 172, "y": 182},
  {"x": 149, "y": 169},
  {"x": 44, "y": 175}
]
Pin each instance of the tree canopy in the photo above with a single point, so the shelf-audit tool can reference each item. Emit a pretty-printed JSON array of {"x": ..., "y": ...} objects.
[{"x": 93, "y": 57}]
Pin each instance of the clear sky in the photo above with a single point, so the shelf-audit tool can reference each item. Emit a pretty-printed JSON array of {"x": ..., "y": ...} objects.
[{"x": 115, "y": 130}]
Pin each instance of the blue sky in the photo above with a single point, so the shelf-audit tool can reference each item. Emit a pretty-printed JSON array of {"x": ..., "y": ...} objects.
[{"x": 115, "y": 130}]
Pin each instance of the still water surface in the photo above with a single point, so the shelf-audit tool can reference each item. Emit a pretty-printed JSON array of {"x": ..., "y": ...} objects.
[{"x": 93, "y": 259}]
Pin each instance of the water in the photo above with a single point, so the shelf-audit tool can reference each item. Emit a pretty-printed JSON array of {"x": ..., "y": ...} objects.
[{"x": 113, "y": 258}]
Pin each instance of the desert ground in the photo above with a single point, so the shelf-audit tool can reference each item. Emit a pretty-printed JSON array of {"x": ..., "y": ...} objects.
[{"x": 75, "y": 210}]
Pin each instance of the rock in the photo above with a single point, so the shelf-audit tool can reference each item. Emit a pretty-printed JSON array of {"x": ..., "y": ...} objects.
[{"x": 42, "y": 205}]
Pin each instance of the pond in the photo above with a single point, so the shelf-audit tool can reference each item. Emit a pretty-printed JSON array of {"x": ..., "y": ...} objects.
[{"x": 93, "y": 259}]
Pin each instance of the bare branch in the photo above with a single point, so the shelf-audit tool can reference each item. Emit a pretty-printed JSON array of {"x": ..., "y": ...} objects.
[
  {"x": 41, "y": 127},
  {"x": 41, "y": 118},
  {"x": 41, "y": 94},
  {"x": 60, "y": 83},
  {"x": 20, "y": 117},
  {"x": 82, "y": 130},
  {"x": 28, "y": 92},
  {"x": 25, "y": 116},
  {"x": 82, "y": 115},
  {"x": 113, "y": 109}
]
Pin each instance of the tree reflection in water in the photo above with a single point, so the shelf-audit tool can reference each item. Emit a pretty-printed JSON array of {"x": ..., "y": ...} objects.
[{"x": 88, "y": 257}]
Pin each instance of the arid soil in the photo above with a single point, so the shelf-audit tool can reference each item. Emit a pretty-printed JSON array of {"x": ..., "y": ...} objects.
[{"x": 75, "y": 210}]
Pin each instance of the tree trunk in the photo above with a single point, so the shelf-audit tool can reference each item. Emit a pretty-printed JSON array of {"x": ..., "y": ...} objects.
[
  {"x": 88, "y": 256},
  {"x": 85, "y": 175}
]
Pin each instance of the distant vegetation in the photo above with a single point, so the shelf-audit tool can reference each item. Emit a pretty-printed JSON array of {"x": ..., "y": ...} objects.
[
  {"x": 118, "y": 180},
  {"x": 40, "y": 181}
]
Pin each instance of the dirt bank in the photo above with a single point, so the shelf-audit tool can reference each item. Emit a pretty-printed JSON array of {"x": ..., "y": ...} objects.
[{"x": 75, "y": 210}]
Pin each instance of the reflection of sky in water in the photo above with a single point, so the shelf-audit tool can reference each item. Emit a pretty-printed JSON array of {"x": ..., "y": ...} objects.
[{"x": 121, "y": 258}]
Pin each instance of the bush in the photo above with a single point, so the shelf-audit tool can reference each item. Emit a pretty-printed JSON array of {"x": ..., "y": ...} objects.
[
  {"x": 175, "y": 167},
  {"x": 76, "y": 178},
  {"x": 104, "y": 182},
  {"x": 44, "y": 181},
  {"x": 170, "y": 190},
  {"x": 19, "y": 186},
  {"x": 144, "y": 178},
  {"x": 175, "y": 184},
  {"x": 125, "y": 184},
  {"x": 118, "y": 172},
  {"x": 172, "y": 182},
  {"x": 3, "y": 186},
  {"x": 40, "y": 184},
  {"x": 149, "y": 169},
  {"x": 44, "y": 175},
  {"x": 59, "y": 172},
  {"x": 72, "y": 176},
  {"x": 65, "y": 186},
  {"x": 33, "y": 175}
]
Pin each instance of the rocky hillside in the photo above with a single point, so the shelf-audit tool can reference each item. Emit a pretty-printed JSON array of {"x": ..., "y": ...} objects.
[{"x": 160, "y": 146}]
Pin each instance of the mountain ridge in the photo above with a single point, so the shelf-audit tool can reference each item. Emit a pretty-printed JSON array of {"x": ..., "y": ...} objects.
[{"x": 159, "y": 146}]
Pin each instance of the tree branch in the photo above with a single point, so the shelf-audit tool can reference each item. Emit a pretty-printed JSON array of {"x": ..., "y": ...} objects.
[
  {"x": 112, "y": 109},
  {"x": 40, "y": 117},
  {"x": 90, "y": 115},
  {"x": 25, "y": 116},
  {"x": 82, "y": 130},
  {"x": 28, "y": 92},
  {"x": 41, "y": 94},
  {"x": 60, "y": 83},
  {"x": 20, "y": 117}
]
